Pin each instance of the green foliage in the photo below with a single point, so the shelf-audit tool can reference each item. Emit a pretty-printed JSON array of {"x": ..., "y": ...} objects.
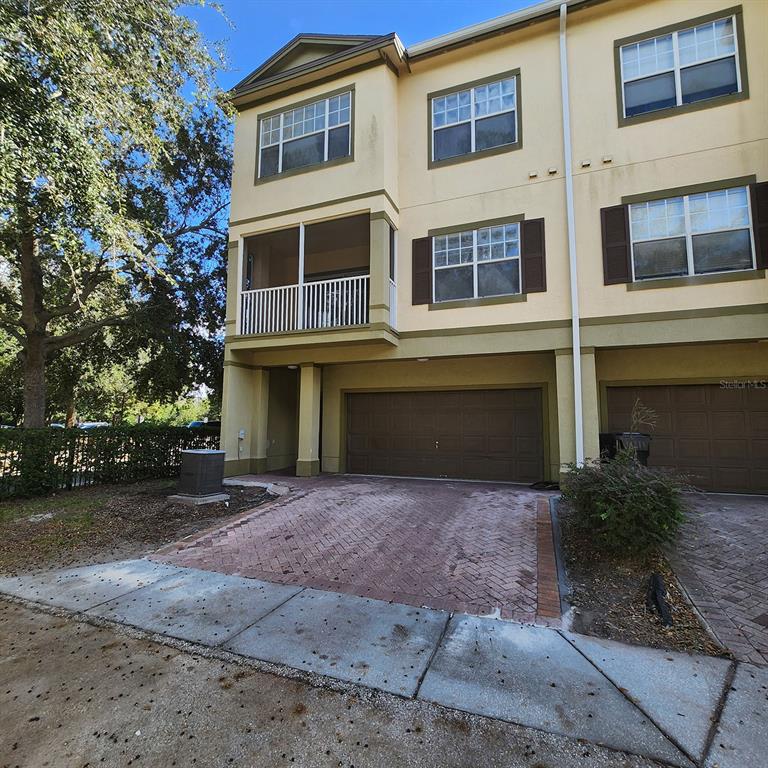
[
  {"x": 38, "y": 461},
  {"x": 624, "y": 506},
  {"x": 115, "y": 156}
]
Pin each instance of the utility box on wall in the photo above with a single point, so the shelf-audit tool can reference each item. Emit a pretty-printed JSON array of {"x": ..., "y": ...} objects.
[{"x": 201, "y": 476}]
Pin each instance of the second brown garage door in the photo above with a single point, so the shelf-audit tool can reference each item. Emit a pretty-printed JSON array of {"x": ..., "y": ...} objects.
[
  {"x": 717, "y": 435},
  {"x": 491, "y": 434}
]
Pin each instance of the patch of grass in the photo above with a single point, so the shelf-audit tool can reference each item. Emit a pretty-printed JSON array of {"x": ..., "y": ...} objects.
[{"x": 77, "y": 502}]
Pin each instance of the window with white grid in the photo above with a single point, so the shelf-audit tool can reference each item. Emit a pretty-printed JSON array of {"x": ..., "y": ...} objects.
[
  {"x": 681, "y": 67},
  {"x": 474, "y": 119},
  {"x": 477, "y": 263},
  {"x": 307, "y": 135},
  {"x": 692, "y": 234}
]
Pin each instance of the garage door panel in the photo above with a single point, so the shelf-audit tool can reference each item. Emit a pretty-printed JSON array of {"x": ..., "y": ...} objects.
[
  {"x": 715, "y": 435},
  {"x": 730, "y": 478},
  {"x": 726, "y": 398},
  {"x": 499, "y": 423},
  {"x": 693, "y": 450},
  {"x": 759, "y": 449},
  {"x": 729, "y": 423},
  {"x": 730, "y": 450},
  {"x": 474, "y": 444},
  {"x": 757, "y": 396},
  {"x": 526, "y": 423},
  {"x": 528, "y": 470},
  {"x": 474, "y": 434},
  {"x": 758, "y": 424},
  {"x": 685, "y": 398},
  {"x": 505, "y": 445},
  {"x": 695, "y": 423}
]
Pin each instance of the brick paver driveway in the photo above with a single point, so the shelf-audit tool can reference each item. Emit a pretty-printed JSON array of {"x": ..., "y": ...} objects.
[
  {"x": 473, "y": 547},
  {"x": 721, "y": 559}
]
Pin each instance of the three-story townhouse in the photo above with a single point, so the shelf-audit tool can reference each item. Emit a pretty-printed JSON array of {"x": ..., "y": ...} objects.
[{"x": 421, "y": 238}]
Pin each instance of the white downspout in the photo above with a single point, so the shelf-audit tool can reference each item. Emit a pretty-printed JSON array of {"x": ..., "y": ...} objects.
[{"x": 575, "y": 329}]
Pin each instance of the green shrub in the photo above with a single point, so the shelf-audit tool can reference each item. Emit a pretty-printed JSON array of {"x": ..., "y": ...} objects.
[
  {"x": 624, "y": 506},
  {"x": 37, "y": 461}
]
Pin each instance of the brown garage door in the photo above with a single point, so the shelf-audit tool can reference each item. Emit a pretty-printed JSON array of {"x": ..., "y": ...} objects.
[
  {"x": 718, "y": 436},
  {"x": 493, "y": 434}
]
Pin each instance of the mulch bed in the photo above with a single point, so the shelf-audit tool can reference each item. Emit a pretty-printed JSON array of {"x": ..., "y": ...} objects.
[
  {"x": 608, "y": 594},
  {"x": 105, "y": 523}
]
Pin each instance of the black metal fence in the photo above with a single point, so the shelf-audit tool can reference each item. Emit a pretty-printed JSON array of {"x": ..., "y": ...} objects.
[{"x": 38, "y": 461}]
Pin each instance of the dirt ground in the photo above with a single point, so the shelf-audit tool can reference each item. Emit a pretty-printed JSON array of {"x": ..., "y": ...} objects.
[
  {"x": 74, "y": 694},
  {"x": 108, "y": 522},
  {"x": 608, "y": 595}
]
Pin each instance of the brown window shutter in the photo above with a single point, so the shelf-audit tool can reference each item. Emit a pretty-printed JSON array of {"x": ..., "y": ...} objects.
[
  {"x": 532, "y": 262},
  {"x": 616, "y": 249},
  {"x": 422, "y": 270},
  {"x": 759, "y": 195}
]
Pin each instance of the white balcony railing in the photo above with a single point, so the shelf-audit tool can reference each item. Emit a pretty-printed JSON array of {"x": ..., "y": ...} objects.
[{"x": 320, "y": 304}]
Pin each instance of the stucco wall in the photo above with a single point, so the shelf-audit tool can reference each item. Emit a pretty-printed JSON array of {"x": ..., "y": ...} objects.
[
  {"x": 282, "y": 425},
  {"x": 375, "y": 151},
  {"x": 710, "y": 144}
]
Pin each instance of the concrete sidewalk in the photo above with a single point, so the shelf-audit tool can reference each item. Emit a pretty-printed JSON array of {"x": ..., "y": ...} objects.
[{"x": 673, "y": 708}]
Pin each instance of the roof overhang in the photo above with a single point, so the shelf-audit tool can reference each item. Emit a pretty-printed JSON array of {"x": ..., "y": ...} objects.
[
  {"x": 350, "y": 53},
  {"x": 285, "y": 72},
  {"x": 499, "y": 25}
]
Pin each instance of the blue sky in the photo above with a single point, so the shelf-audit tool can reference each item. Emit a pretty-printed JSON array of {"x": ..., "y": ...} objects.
[{"x": 261, "y": 27}]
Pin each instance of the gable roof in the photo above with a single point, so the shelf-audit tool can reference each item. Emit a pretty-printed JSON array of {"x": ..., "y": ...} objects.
[{"x": 317, "y": 46}]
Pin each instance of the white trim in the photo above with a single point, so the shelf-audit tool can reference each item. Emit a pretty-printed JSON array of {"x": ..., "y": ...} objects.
[
  {"x": 578, "y": 406},
  {"x": 500, "y": 22}
]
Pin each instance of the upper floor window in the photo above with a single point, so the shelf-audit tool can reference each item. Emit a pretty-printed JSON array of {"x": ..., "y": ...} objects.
[
  {"x": 307, "y": 135},
  {"x": 474, "y": 118},
  {"x": 691, "y": 234},
  {"x": 681, "y": 67},
  {"x": 477, "y": 263}
]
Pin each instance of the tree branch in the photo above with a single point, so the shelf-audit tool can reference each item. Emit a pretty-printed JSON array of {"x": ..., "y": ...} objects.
[
  {"x": 85, "y": 332},
  {"x": 11, "y": 328}
]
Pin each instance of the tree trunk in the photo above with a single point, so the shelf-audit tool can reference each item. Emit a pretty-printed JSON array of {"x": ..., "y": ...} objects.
[
  {"x": 33, "y": 318},
  {"x": 34, "y": 382},
  {"x": 71, "y": 419}
]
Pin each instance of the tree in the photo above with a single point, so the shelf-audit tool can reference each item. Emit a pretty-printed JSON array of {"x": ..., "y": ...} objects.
[{"x": 114, "y": 172}]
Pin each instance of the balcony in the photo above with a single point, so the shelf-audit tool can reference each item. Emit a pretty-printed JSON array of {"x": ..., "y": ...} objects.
[
  {"x": 316, "y": 277},
  {"x": 306, "y": 306}
]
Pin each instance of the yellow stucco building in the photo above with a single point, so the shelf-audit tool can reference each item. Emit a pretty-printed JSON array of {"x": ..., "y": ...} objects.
[{"x": 420, "y": 238}]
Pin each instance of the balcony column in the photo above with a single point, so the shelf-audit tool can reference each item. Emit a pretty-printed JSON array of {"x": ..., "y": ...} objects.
[
  {"x": 379, "y": 269},
  {"x": 566, "y": 429},
  {"x": 308, "y": 461},
  {"x": 244, "y": 418},
  {"x": 590, "y": 404},
  {"x": 565, "y": 405},
  {"x": 234, "y": 288}
]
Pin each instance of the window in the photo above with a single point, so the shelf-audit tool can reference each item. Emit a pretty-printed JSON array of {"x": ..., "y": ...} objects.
[
  {"x": 682, "y": 67},
  {"x": 474, "y": 119},
  {"x": 476, "y": 263},
  {"x": 691, "y": 234},
  {"x": 308, "y": 135}
]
